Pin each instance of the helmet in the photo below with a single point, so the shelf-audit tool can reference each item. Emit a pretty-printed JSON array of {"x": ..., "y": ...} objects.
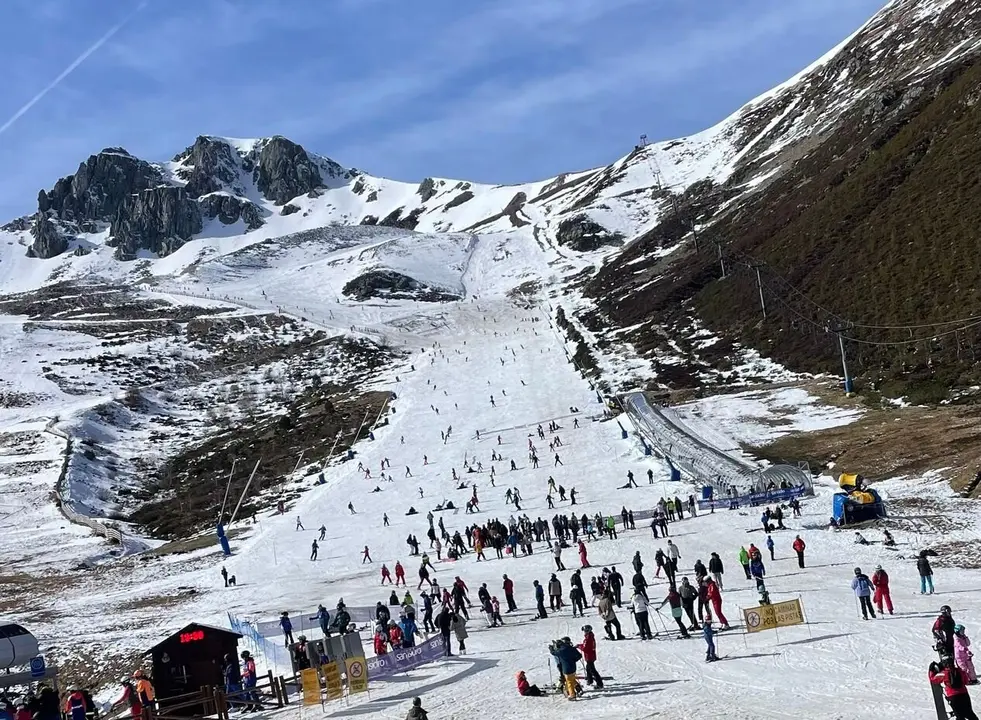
[
  {"x": 521, "y": 674},
  {"x": 301, "y": 638},
  {"x": 878, "y": 567},
  {"x": 587, "y": 628},
  {"x": 417, "y": 702},
  {"x": 567, "y": 640},
  {"x": 245, "y": 654},
  {"x": 958, "y": 628},
  {"x": 379, "y": 628},
  {"x": 945, "y": 610},
  {"x": 391, "y": 623},
  {"x": 858, "y": 571}
]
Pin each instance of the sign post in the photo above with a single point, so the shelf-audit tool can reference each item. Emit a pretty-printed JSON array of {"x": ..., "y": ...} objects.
[
  {"x": 357, "y": 675},
  {"x": 332, "y": 678},
  {"x": 771, "y": 617},
  {"x": 310, "y": 684}
]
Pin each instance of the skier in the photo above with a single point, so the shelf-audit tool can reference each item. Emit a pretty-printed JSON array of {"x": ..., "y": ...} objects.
[
  {"x": 350, "y": 506},
  {"x": 955, "y": 688},
  {"x": 588, "y": 649},
  {"x": 716, "y": 569},
  {"x": 554, "y": 593},
  {"x": 963, "y": 655},
  {"x": 299, "y": 525},
  {"x": 673, "y": 600},
  {"x": 673, "y": 555},
  {"x": 399, "y": 573},
  {"x": 757, "y": 570},
  {"x": 880, "y": 579},
  {"x": 926, "y": 573},
  {"x": 715, "y": 597},
  {"x": 460, "y": 630},
  {"x": 650, "y": 476},
  {"x": 943, "y": 632},
  {"x": 287, "y": 625},
  {"x": 385, "y": 519},
  {"x": 616, "y": 585},
  {"x": 862, "y": 587},
  {"x": 557, "y": 554},
  {"x": 385, "y": 574},
  {"x": 365, "y": 555},
  {"x": 525, "y": 688},
  {"x": 508, "y": 588},
  {"x": 313, "y": 550},
  {"x": 744, "y": 561},
  {"x": 709, "y": 634},
  {"x": 605, "y": 609},
  {"x": 540, "y": 601},
  {"x": 323, "y": 532},
  {"x": 582, "y": 555},
  {"x": 323, "y": 619},
  {"x": 567, "y": 657},
  {"x": 689, "y": 594},
  {"x": 75, "y": 705},
  {"x": 640, "y": 607},
  {"x": 799, "y": 548},
  {"x": 769, "y": 546}
]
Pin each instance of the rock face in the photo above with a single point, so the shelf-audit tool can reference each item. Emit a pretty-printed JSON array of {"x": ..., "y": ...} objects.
[
  {"x": 284, "y": 170},
  {"x": 390, "y": 284},
  {"x": 159, "y": 220},
  {"x": 228, "y": 209},
  {"x": 48, "y": 240},
  {"x": 583, "y": 235},
  {"x": 99, "y": 186},
  {"x": 210, "y": 165}
]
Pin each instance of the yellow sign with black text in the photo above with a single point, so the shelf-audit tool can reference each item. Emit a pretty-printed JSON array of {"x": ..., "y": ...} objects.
[
  {"x": 770, "y": 617},
  {"x": 310, "y": 682},
  {"x": 332, "y": 678},
  {"x": 357, "y": 675}
]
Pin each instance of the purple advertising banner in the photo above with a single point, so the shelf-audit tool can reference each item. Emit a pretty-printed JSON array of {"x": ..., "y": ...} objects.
[{"x": 406, "y": 658}]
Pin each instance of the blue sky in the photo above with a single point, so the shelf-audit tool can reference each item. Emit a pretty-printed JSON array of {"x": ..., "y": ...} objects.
[{"x": 487, "y": 90}]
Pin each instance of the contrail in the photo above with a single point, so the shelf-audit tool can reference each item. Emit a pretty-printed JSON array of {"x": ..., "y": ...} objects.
[{"x": 68, "y": 70}]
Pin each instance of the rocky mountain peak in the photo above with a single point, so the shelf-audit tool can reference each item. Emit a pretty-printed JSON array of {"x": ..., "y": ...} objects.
[
  {"x": 209, "y": 165},
  {"x": 284, "y": 170}
]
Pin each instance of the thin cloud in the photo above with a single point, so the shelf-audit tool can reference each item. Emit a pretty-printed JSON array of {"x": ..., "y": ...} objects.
[{"x": 71, "y": 68}]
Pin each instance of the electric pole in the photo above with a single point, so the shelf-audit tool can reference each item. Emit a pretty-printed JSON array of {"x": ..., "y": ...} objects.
[{"x": 759, "y": 285}]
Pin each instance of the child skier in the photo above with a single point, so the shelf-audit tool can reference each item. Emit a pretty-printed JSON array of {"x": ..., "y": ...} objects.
[
  {"x": 709, "y": 634},
  {"x": 963, "y": 655}
]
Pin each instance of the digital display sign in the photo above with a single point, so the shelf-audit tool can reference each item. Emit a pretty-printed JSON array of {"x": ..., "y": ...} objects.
[{"x": 193, "y": 636}]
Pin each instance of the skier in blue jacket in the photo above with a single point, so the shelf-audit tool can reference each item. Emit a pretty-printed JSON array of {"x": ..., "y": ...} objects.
[
  {"x": 757, "y": 570},
  {"x": 287, "y": 625},
  {"x": 862, "y": 587},
  {"x": 567, "y": 657},
  {"x": 323, "y": 618},
  {"x": 409, "y": 631},
  {"x": 709, "y": 634}
]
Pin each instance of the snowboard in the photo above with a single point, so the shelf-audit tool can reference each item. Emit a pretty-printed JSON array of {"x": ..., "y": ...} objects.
[{"x": 939, "y": 702}]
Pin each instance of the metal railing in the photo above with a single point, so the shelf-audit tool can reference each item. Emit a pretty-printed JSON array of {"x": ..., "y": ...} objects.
[{"x": 701, "y": 460}]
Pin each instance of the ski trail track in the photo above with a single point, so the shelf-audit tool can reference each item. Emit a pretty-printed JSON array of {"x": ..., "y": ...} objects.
[{"x": 837, "y": 667}]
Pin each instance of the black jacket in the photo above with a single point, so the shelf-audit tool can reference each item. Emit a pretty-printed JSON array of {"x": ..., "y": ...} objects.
[{"x": 715, "y": 564}]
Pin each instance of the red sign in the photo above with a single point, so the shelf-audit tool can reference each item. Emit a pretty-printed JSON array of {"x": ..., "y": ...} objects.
[{"x": 193, "y": 636}]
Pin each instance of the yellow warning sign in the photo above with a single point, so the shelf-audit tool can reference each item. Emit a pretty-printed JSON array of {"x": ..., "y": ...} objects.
[
  {"x": 770, "y": 617},
  {"x": 357, "y": 675},
  {"x": 332, "y": 678},
  {"x": 310, "y": 682}
]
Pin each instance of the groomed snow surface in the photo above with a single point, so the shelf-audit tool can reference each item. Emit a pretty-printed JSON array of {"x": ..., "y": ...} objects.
[{"x": 838, "y": 666}]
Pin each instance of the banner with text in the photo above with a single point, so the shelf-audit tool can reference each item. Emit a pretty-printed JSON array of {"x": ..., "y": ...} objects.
[
  {"x": 770, "y": 617},
  {"x": 406, "y": 658}
]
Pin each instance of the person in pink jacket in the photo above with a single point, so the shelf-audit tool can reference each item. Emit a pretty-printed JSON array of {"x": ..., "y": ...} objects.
[{"x": 963, "y": 655}]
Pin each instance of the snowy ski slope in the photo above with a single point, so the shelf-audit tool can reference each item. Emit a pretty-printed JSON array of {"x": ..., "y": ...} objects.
[{"x": 837, "y": 667}]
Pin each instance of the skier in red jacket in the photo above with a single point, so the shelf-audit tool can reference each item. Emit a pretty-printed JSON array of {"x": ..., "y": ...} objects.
[
  {"x": 880, "y": 580},
  {"x": 582, "y": 555},
  {"x": 588, "y": 649},
  {"x": 399, "y": 573},
  {"x": 955, "y": 688},
  {"x": 715, "y": 597},
  {"x": 799, "y": 547},
  {"x": 386, "y": 574}
]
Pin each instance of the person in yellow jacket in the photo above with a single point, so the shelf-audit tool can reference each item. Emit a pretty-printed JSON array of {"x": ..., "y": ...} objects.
[{"x": 144, "y": 689}]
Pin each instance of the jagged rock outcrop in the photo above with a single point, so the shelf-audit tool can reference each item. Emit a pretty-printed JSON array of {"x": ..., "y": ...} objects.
[
  {"x": 229, "y": 208},
  {"x": 391, "y": 284},
  {"x": 48, "y": 240},
  {"x": 99, "y": 186},
  {"x": 426, "y": 189},
  {"x": 210, "y": 165},
  {"x": 159, "y": 220},
  {"x": 284, "y": 170},
  {"x": 583, "y": 235}
]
